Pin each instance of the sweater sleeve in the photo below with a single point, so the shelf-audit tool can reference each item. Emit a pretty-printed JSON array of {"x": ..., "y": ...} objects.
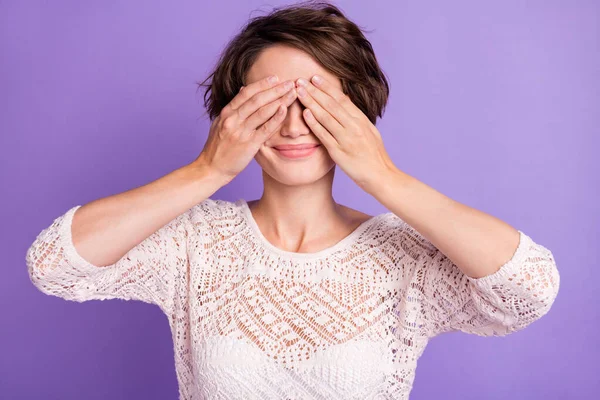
[
  {"x": 147, "y": 272},
  {"x": 519, "y": 293}
]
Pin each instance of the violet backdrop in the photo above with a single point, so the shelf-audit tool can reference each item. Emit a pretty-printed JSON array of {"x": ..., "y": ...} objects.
[{"x": 493, "y": 103}]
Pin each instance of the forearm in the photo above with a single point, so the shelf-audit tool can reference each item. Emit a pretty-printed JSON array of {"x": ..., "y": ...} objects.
[
  {"x": 105, "y": 229},
  {"x": 478, "y": 243}
]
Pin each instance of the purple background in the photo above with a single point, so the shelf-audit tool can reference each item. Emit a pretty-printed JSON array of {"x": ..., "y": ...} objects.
[{"x": 492, "y": 103}]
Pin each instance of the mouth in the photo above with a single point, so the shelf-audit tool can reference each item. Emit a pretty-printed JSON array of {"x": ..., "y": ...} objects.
[{"x": 296, "y": 151}]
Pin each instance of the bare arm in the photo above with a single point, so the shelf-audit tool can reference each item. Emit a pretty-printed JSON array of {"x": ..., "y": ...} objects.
[
  {"x": 134, "y": 245},
  {"x": 105, "y": 229}
]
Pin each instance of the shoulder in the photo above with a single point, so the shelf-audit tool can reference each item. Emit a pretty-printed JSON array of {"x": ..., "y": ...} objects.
[
  {"x": 214, "y": 208},
  {"x": 217, "y": 216},
  {"x": 413, "y": 243},
  {"x": 399, "y": 239}
]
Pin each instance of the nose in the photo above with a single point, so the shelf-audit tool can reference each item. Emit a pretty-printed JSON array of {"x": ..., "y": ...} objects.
[{"x": 294, "y": 125}]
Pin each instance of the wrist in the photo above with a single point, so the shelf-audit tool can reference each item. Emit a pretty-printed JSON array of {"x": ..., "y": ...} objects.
[
  {"x": 200, "y": 170},
  {"x": 383, "y": 179}
]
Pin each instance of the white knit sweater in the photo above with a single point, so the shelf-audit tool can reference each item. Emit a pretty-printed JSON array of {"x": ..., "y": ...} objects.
[{"x": 252, "y": 321}]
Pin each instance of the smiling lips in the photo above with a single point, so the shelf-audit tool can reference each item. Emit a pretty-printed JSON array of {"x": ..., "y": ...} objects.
[{"x": 296, "y": 150}]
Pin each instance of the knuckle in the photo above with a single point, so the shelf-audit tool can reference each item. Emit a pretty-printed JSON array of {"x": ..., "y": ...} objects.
[
  {"x": 263, "y": 112},
  {"x": 229, "y": 123},
  {"x": 261, "y": 98},
  {"x": 265, "y": 128},
  {"x": 226, "y": 110},
  {"x": 254, "y": 101},
  {"x": 269, "y": 127}
]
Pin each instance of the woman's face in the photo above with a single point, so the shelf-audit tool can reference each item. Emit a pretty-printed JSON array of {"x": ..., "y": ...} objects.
[{"x": 291, "y": 63}]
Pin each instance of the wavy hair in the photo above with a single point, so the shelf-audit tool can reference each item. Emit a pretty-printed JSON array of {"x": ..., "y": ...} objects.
[{"x": 315, "y": 27}]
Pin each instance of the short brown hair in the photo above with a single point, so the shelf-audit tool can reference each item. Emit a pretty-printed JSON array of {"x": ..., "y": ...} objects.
[{"x": 321, "y": 30}]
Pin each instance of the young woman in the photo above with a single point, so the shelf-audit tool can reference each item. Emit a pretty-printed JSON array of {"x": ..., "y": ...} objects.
[{"x": 293, "y": 295}]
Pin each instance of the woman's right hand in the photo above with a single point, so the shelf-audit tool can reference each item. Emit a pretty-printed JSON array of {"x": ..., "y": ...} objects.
[{"x": 244, "y": 124}]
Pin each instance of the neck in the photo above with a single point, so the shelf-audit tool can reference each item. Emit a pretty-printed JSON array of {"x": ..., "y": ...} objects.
[{"x": 297, "y": 214}]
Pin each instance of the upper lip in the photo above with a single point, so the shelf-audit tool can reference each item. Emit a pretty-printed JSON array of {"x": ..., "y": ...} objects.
[{"x": 296, "y": 146}]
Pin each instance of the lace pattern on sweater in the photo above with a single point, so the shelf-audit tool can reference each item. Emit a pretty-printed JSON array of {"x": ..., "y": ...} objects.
[{"x": 249, "y": 321}]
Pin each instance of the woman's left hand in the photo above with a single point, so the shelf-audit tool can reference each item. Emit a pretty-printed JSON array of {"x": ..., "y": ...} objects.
[{"x": 350, "y": 138}]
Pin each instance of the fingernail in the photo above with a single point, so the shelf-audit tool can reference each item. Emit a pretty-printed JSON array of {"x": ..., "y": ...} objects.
[
  {"x": 317, "y": 79},
  {"x": 302, "y": 82},
  {"x": 272, "y": 79}
]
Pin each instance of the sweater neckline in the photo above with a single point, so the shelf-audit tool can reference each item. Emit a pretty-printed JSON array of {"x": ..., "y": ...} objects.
[{"x": 321, "y": 253}]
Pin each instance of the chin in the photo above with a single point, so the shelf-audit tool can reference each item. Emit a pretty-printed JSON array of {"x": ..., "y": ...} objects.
[{"x": 294, "y": 180}]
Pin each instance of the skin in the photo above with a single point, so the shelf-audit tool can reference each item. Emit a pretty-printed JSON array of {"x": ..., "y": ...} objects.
[
  {"x": 306, "y": 185},
  {"x": 297, "y": 209}
]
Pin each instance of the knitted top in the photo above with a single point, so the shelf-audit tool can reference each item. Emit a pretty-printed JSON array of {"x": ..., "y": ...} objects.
[{"x": 252, "y": 321}]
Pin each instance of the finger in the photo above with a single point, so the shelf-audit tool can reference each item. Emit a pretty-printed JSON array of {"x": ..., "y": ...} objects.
[
  {"x": 248, "y": 91},
  {"x": 322, "y": 115},
  {"x": 262, "y": 98},
  {"x": 328, "y": 103},
  {"x": 264, "y": 132},
  {"x": 261, "y": 115},
  {"x": 342, "y": 98},
  {"x": 323, "y": 134}
]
